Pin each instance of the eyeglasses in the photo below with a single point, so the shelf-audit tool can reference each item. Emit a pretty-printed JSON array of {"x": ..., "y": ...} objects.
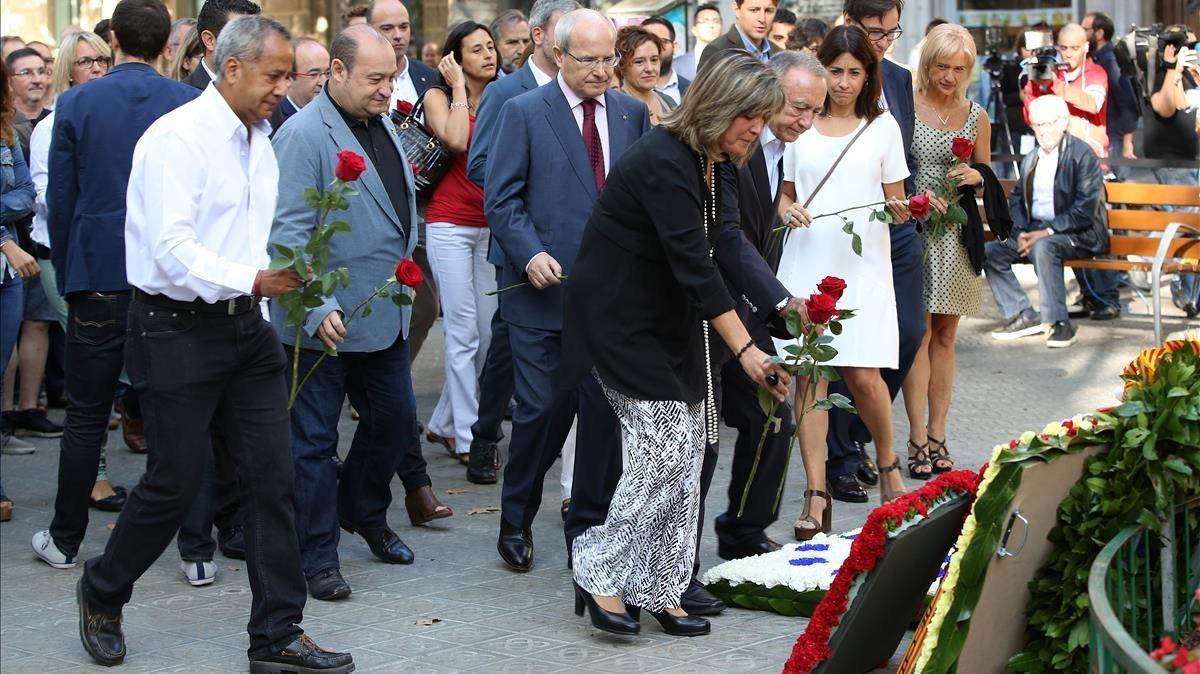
[
  {"x": 87, "y": 62},
  {"x": 591, "y": 62},
  {"x": 30, "y": 72},
  {"x": 313, "y": 74},
  {"x": 877, "y": 34}
]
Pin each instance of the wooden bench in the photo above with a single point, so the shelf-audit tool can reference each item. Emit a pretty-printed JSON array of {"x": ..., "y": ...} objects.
[{"x": 1146, "y": 234}]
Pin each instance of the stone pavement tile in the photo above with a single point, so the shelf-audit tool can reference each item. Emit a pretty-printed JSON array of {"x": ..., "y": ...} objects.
[
  {"x": 38, "y": 664},
  {"x": 461, "y": 659},
  {"x": 578, "y": 654},
  {"x": 368, "y": 660},
  {"x": 521, "y": 645},
  {"x": 364, "y": 614},
  {"x": 632, "y": 662},
  {"x": 528, "y": 622},
  {"x": 471, "y": 634},
  {"x": 410, "y": 646},
  {"x": 525, "y": 666},
  {"x": 740, "y": 660}
]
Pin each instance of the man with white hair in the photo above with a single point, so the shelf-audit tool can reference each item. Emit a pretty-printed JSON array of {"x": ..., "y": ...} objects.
[{"x": 1058, "y": 214}]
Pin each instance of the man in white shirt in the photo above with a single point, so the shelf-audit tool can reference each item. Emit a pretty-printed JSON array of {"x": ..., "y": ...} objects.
[
  {"x": 202, "y": 353},
  {"x": 1058, "y": 214},
  {"x": 390, "y": 17}
]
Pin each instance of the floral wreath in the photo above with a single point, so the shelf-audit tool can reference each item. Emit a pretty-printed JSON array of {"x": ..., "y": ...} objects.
[{"x": 886, "y": 521}]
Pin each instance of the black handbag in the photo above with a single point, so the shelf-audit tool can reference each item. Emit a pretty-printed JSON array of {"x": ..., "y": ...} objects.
[{"x": 429, "y": 159}]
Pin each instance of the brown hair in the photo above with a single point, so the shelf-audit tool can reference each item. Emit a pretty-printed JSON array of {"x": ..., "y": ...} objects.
[
  {"x": 853, "y": 41},
  {"x": 6, "y": 107},
  {"x": 629, "y": 39}
]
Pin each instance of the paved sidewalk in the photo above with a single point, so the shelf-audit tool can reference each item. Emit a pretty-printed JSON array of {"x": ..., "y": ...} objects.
[{"x": 458, "y": 608}]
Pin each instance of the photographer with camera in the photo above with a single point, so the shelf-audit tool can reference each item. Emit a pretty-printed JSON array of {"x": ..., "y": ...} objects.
[
  {"x": 1080, "y": 82},
  {"x": 1123, "y": 111}
]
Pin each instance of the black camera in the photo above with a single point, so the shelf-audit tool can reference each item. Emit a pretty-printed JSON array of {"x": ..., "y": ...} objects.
[
  {"x": 1041, "y": 65},
  {"x": 1143, "y": 51}
]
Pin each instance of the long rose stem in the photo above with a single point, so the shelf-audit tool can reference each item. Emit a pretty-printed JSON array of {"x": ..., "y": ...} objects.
[{"x": 827, "y": 215}]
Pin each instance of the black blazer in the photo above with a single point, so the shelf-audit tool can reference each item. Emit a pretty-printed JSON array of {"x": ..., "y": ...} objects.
[
  {"x": 898, "y": 89},
  {"x": 730, "y": 40},
  {"x": 644, "y": 278},
  {"x": 1079, "y": 210},
  {"x": 198, "y": 78},
  {"x": 422, "y": 75}
]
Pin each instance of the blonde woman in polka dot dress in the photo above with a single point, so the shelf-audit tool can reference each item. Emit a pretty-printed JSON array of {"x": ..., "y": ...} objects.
[{"x": 952, "y": 287}]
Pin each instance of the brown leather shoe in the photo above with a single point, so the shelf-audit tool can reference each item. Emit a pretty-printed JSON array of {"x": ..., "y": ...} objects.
[
  {"x": 101, "y": 635},
  {"x": 134, "y": 432},
  {"x": 5, "y": 509},
  {"x": 423, "y": 506}
]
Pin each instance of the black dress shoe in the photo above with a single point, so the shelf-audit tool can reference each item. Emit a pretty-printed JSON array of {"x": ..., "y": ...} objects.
[
  {"x": 328, "y": 585},
  {"x": 602, "y": 619},
  {"x": 112, "y": 504},
  {"x": 387, "y": 546},
  {"x": 682, "y": 626},
  {"x": 232, "y": 542},
  {"x": 699, "y": 601},
  {"x": 1081, "y": 308},
  {"x": 846, "y": 488},
  {"x": 101, "y": 635},
  {"x": 728, "y": 551},
  {"x": 868, "y": 472},
  {"x": 1106, "y": 313},
  {"x": 303, "y": 655},
  {"x": 484, "y": 462},
  {"x": 515, "y": 547}
]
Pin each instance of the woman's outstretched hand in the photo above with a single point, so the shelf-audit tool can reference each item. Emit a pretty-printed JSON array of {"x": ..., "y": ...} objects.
[{"x": 771, "y": 376}]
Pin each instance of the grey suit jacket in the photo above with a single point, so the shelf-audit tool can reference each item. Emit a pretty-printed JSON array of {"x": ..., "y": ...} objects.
[{"x": 306, "y": 149}]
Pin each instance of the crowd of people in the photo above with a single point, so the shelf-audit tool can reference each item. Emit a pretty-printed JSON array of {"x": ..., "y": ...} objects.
[{"x": 619, "y": 247}]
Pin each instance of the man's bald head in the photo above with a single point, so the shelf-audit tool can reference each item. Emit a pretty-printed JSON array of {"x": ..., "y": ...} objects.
[
  {"x": 1073, "y": 45},
  {"x": 355, "y": 40}
]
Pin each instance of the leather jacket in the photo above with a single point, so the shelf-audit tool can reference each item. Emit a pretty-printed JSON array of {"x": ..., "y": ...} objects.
[{"x": 1079, "y": 207}]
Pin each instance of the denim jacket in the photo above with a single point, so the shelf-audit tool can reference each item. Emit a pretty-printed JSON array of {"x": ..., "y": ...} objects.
[{"x": 16, "y": 195}]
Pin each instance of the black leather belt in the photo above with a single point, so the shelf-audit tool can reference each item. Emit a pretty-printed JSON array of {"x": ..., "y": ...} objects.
[{"x": 233, "y": 307}]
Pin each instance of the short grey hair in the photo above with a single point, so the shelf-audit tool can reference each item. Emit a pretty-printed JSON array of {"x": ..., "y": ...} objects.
[
  {"x": 566, "y": 26},
  {"x": 244, "y": 39},
  {"x": 784, "y": 61},
  {"x": 543, "y": 10},
  {"x": 506, "y": 19}
]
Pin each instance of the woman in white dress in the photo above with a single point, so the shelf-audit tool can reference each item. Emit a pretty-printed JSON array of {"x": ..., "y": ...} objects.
[{"x": 871, "y": 170}]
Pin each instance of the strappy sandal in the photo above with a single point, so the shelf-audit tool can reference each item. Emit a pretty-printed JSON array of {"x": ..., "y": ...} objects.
[
  {"x": 886, "y": 495},
  {"x": 918, "y": 459},
  {"x": 823, "y": 527},
  {"x": 448, "y": 443},
  {"x": 942, "y": 461}
]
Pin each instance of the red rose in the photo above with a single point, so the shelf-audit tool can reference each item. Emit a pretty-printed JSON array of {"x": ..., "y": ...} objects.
[
  {"x": 832, "y": 286},
  {"x": 821, "y": 307},
  {"x": 404, "y": 106},
  {"x": 963, "y": 148},
  {"x": 918, "y": 206},
  {"x": 349, "y": 167},
  {"x": 409, "y": 274}
]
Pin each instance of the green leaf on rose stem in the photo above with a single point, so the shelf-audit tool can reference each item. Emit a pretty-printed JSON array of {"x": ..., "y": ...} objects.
[
  {"x": 301, "y": 267},
  {"x": 823, "y": 353},
  {"x": 872, "y": 216},
  {"x": 367, "y": 310},
  {"x": 312, "y": 302},
  {"x": 340, "y": 203},
  {"x": 766, "y": 402},
  {"x": 847, "y": 226},
  {"x": 956, "y": 214},
  {"x": 828, "y": 373},
  {"x": 401, "y": 300},
  {"x": 795, "y": 326},
  {"x": 793, "y": 350},
  {"x": 339, "y": 226},
  {"x": 328, "y": 284},
  {"x": 284, "y": 252},
  {"x": 824, "y": 339},
  {"x": 835, "y": 327},
  {"x": 314, "y": 245},
  {"x": 280, "y": 263},
  {"x": 856, "y": 245},
  {"x": 842, "y": 402},
  {"x": 774, "y": 360},
  {"x": 295, "y": 315},
  {"x": 824, "y": 404},
  {"x": 887, "y": 217},
  {"x": 312, "y": 197}
]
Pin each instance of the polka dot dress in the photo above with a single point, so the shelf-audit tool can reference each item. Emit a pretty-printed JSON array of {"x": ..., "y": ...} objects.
[{"x": 951, "y": 285}]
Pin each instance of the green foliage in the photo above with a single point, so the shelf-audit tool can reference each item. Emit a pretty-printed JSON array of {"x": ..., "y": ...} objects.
[
  {"x": 1152, "y": 463},
  {"x": 780, "y": 599}
]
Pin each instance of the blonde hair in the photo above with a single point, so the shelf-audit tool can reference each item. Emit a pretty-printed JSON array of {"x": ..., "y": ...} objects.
[
  {"x": 942, "y": 43},
  {"x": 188, "y": 48},
  {"x": 732, "y": 85},
  {"x": 65, "y": 60}
]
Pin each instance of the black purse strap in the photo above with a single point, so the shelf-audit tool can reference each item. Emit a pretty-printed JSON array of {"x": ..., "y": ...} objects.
[{"x": 837, "y": 161}]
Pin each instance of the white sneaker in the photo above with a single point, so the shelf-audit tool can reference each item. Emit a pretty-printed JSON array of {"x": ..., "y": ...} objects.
[
  {"x": 198, "y": 573},
  {"x": 47, "y": 551},
  {"x": 11, "y": 444}
]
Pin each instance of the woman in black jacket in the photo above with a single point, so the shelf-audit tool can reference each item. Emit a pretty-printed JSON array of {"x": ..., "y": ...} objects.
[{"x": 640, "y": 303}]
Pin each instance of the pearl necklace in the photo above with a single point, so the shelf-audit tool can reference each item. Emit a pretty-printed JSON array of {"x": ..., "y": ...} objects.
[{"x": 711, "y": 428}]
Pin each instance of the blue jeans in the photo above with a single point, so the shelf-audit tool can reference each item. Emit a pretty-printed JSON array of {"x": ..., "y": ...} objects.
[
  {"x": 1047, "y": 255},
  {"x": 379, "y": 385},
  {"x": 11, "y": 310}
]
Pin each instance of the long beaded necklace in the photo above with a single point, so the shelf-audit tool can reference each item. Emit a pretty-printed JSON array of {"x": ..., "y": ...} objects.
[{"x": 711, "y": 429}]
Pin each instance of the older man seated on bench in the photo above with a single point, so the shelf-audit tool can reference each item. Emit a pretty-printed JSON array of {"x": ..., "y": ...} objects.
[{"x": 1058, "y": 214}]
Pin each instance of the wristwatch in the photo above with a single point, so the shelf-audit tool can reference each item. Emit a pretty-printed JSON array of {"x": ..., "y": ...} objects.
[{"x": 779, "y": 307}]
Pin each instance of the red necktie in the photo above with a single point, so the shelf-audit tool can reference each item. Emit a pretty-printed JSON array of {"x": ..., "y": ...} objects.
[{"x": 591, "y": 141}]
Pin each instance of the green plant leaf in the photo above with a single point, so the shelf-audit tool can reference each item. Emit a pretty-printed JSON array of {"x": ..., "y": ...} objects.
[
  {"x": 339, "y": 226},
  {"x": 835, "y": 327},
  {"x": 366, "y": 311},
  {"x": 284, "y": 252},
  {"x": 795, "y": 326},
  {"x": 401, "y": 300},
  {"x": 856, "y": 244},
  {"x": 767, "y": 402}
]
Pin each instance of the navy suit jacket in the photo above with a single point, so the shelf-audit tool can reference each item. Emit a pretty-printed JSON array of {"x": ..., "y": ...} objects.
[
  {"x": 91, "y": 153},
  {"x": 540, "y": 196},
  {"x": 198, "y": 78},
  {"x": 422, "y": 75},
  {"x": 684, "y": 83},
  {"x": 898, "y": 89}
]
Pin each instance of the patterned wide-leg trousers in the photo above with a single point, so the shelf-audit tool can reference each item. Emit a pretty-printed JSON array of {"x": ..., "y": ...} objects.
[{"x": 644, "y": 551}]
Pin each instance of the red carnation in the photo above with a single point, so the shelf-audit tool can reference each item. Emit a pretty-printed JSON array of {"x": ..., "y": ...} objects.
[
  {"x": 963, "y": 148},
  {"x": 409, "y": 274},
  {"x": 821, "y": 307},
  {"x": 918, "y": 205},
  {"x": 350, "y": 166},
  {"x": 404, "y": 107},
  {"x": 832, "y": 286}
]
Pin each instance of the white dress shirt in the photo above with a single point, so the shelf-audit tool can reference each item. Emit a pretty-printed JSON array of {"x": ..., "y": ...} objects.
[
  {"x": 211, "y": 75},
  {"x": 671, "y": 88},
  {"x": 403, "y": 88},
  {"x": 539, "y": 75},
  {"x": 198, "y": 229},
  {"x": 39, "y": 170},
  {"x": 1042, "y": 199},
  {"x": 576, "y": 104},
  {"x": 773, "y": 149}
]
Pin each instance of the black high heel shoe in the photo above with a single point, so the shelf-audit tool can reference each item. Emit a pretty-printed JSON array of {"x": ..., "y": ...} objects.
[
  {"x": 682, "y": 625},
  {"x": 614, "y": 623}
]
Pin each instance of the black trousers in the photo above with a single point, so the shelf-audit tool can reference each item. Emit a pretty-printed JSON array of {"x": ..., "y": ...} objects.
[
  {"x": 216, "y": 503},
  {"x": 495, "y": 383},
  {"x": 96, "y": 327},
  {"x": 192, "y": 370}
]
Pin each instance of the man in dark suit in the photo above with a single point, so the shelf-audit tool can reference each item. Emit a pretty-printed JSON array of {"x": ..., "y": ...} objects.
[
  {"x": 749, "y": 31},
  {"x": 310, "y": 71},
  {"x": 213, "y": 17},
  {"x": 556, "y": 144},
  {"x": 751, "y": 195},
  {"x": 95, "y": 130},
  {"x": 496, "y": 381},
  {"x": 707, "y": 26},
  {"x": 670, "y": 84},
  {"x": 848, "y": 435}
]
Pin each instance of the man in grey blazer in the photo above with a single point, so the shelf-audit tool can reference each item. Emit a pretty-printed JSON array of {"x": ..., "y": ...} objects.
[
  {"x": 372, "y": 366},
  {"x": 553, "y": 147}
]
